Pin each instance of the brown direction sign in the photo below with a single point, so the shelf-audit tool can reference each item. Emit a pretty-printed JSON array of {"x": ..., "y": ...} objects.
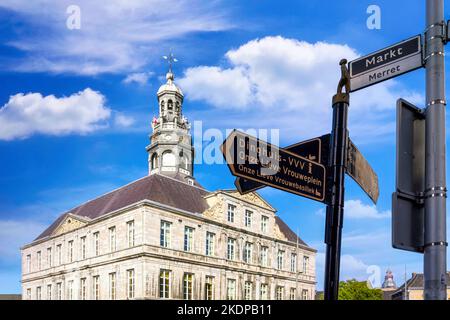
[
  {"x": 313, "y": 149},
  {"x": 259, "y": 161},
  {"x": 360, "y": 170}
]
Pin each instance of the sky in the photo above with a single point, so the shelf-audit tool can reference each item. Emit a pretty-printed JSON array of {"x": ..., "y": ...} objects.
[{"x": 77, "y": 97}]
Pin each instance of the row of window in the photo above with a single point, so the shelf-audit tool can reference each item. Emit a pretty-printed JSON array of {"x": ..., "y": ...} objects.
[
  {"x": 58, "y": 258},
  {"x": 247, "y": 253},
  {"x": 248, "y": 218},
  {"x": 165, "y": 288},
  {"x": 56, "y": 292},
  {"x": 231, "y": 290}
]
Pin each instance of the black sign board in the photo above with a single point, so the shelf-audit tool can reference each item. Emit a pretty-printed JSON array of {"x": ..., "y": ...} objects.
[
  {"x": 408, "y": 212},
  {"x": 256, "y": 160},
  {"x": 385, "y": 64},
  {"x": 314, "y": 149}
]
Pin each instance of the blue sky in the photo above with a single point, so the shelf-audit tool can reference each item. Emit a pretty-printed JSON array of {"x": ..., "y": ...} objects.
[{"x": 76, "y": 105}]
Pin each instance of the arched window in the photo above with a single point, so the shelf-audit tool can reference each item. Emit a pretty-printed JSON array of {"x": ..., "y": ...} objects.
[
  {"x": 154, "y": 161},
  {"x": 185, "y": 163},
  {"x": 168, "y": 159},
  {"x": 162, "y": 107},
  {"x": 177, "y": 107},
  {"x": 170, "y": 105}
]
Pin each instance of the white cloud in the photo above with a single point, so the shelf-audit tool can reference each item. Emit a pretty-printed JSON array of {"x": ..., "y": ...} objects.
[
  {"x": 123, "y": 121},
  {"x": 140, "y": 78},
  {"x": 27, "y": 114},
  {"x": 351, "y": 267},
  {"x": 288, "y": 84},
  {"x": 115, "y": 35},
  {"x": 355, "y": 209}
]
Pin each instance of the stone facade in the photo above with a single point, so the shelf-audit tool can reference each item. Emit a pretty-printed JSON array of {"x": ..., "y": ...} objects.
[{"x": 147, "y": 257}]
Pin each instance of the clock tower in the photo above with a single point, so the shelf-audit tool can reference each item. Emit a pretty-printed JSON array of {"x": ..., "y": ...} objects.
[{"x": 170, "y": 151}]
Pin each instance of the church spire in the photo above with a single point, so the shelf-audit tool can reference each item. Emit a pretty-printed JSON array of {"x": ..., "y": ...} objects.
[{"x": 170, "y": 151}]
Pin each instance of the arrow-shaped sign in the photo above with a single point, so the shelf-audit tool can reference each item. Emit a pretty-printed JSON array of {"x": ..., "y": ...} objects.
[
  {"x": 258, "y": 161},
  {"x": 314, "y": 149}
]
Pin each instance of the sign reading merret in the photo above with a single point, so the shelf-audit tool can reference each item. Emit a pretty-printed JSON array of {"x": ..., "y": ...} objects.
[
  {"x": 385, "y": 64},
  {"x": 259, "y": 161}
]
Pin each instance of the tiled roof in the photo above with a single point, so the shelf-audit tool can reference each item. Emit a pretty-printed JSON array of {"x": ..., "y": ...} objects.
[
  {"x": 290, "y": 235},
  {"x": 157, "y": 188},
  {"x": 169, "y": 191}
]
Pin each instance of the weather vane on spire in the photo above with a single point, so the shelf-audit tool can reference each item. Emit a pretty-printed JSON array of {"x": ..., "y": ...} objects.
[{"x": 171, "y": 60}]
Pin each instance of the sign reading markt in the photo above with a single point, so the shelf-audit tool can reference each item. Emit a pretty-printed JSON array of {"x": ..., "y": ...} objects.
[
  {"x": 259, "y": 161},
  {"x": 385, "y": 64}
]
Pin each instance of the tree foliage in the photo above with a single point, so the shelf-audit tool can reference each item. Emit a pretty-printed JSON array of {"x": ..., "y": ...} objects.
[{"x": 358, "y": 290}]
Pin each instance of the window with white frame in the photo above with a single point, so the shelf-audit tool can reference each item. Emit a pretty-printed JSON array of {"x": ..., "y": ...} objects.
[
  {"x": 38, "y": 293},
  {"x": 49, "y": 292},
  {"x": 248, "y": 252},
  {"x": 305, "y": 294},
  {"x": 70, "y": 251},
  {"x": 164, "y": 284},
  {"x": 38, "y": 258},
  {"x": 187, "y": 286},
  {"x": 280, "y": 293},
  {"x": 59, "y": 291},
  {"x": 83, "y": 291},
  {"x": 264, "y": 223},
  {"x": 130, "y": 233},
  {"x": 292, "y": 294},
  {"x": 264, "y": 291},
  {"x": 188, "y": 239},
  {"x": 165, "y": 234},
  {"x": 130, "y": 284},
  {"x": 248, "y": 218},
  {"x": 264, "y": 256},
  {"x": 112, "y": 239},
  {"x": 209, "y": 288},
  {"x": 59, "y": 253},
  {"x": 231, "y": 243},
  {"x": 28, "y": 263},
  {"x": 70, "y": 290},
  {"x": 230, "y": 213},
  {"x": 248, "y": 286},
  {"x": 96, "y": 287},
  {"x": 210, "y": 243},
  {"x": 29, "y": 294},
  {"x": 305, "y": 264},
  {"x": 293, "y": 262},
  {"x": 49, "y": 257},
  {"x": 83, "y": 247},
  {"x": 96, "y": 240},
  {"x": 231, "y": 289},
  {"x": 280, "y": 256},
  {"x": 112, "y": 286}
]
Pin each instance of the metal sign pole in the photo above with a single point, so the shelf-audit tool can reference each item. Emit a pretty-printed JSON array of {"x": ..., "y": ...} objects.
[
  {"x": 435, "y": 260},
  {"x": 335, "y": 210}
]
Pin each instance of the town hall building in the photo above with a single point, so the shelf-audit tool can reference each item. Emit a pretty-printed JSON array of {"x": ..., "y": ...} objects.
[{"x": 164, "y": 236}]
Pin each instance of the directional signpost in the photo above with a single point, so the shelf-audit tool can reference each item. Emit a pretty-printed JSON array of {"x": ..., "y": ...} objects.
[
  {"x": 385, "y": 64},
  {"x": 313, "y": 169},
  {"x": 259, "y": 161},
  {"x": 315, "y": 150}
]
